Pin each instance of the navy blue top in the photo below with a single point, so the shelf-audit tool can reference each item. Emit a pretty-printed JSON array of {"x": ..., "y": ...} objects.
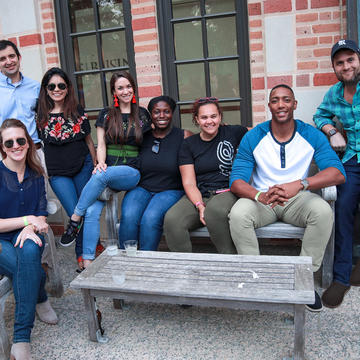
[{"x": 20, "y": 199}]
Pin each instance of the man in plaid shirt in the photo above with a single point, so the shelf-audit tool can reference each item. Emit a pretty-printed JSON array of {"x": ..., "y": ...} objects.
[{"x": 343, "y": 101}]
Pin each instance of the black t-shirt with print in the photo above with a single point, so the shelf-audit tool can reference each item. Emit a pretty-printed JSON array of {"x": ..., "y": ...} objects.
[
  {"x": 145, "y": 123},
  {"x": 65, "y": 148},
  {"x": 212, "y": 159}
]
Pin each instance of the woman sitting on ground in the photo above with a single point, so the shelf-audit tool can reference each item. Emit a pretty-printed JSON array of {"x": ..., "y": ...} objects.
[
  {"x": 69, "y": 150},
  {"x": 120, "y": 130},
  {"x": 22, "y": 220},
  {"x": 143, "y": 208},
  {"x": 205, "y": 161}
]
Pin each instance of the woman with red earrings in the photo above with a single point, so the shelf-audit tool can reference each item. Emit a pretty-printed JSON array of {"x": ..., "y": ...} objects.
[{"x": 120, "y": 130}]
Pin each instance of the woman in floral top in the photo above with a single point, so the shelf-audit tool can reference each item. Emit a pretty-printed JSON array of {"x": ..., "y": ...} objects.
[
  {"x": 120, "y": 130},
  {"x": 69, "y": 150}
]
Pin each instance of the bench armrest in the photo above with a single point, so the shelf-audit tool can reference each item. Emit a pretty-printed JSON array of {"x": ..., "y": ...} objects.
[
  {"x": 329, "y": 193},
  {"x": 107, "y": 194}
]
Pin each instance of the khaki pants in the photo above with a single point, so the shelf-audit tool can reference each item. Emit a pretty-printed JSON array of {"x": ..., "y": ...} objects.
[{"x": 306, "y": 210}]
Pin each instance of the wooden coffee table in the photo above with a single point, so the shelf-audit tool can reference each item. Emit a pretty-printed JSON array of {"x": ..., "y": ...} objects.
[{"x": 273, "y": 283}]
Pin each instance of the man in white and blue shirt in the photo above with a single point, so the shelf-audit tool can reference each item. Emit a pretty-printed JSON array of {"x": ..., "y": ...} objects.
[
  {"x": 343, "y": 101},
  {"x": 270, "y": 176},
  {"x": 18, "y": 93}
]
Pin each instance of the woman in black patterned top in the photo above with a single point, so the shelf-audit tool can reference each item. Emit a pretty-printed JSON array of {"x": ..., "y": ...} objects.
[{"x": 68, "y": 147}]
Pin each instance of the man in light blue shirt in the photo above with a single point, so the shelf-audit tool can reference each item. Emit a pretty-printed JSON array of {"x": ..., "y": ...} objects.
[
  {"x": 343, "y": 101},
  {"x": 18, "y": 93}
]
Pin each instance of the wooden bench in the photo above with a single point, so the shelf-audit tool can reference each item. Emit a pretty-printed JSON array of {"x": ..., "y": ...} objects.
[
  {"x": 271, "y": 283},
  {"x": 54, "y": 287},
  {"x": 278, "y": 230}
]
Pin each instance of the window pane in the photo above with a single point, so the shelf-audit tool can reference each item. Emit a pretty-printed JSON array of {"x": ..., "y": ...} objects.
[
  {"x": 110, "y": 13},
  {"x": 221, "y": 36},
  {"x": 92, "y": 116},
  {"x": 231, "y": 112},
  {"x": 188, "y": 40},
  {"x": 85, "y": 52},
  {"x": 185, "y": 8},
  {"x": 191, "y": 81},
  {"x": 108, "y": 92},
  {"x": 114, "y": 49},
  {"x": 81, "y": 15},
  {"x": 89, "y": 90},
  {"x": 216, "y": 6},
  {"x": 186, "y": 118},
  {"x": 224, "y": 79}
]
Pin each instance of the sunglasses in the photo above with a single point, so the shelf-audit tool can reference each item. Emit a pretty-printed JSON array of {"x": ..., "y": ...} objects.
[
  {"x": 10, "y": 143},
  {"x": 156, "y": 147},
  {"x": 52, "y": 87},
  {"x": 207, "y": 100}
]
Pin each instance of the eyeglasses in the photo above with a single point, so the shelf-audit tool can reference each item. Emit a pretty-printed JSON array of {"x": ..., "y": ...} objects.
[
  {"x": 156, "y": 147},
  {"x": 61, "y": 86},
  {"x": 10, "y": 143},
  {"x": 208, "y": 100}
]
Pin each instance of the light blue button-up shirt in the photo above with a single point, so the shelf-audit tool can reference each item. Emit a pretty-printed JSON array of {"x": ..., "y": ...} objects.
[
  {"x": 18, "y": 101},
  {"x": 334, "y": 104}
]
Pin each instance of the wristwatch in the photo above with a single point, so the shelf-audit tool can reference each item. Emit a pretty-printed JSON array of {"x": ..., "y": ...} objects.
[
  {"x": 304, "y": 183},
  {"x": 332, "y": 132}
]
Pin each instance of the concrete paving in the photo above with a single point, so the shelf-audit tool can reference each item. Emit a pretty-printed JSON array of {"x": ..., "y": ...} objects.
[{"x": 164, "y": 332}]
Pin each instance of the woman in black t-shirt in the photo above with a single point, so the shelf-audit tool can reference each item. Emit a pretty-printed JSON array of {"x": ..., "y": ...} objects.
[
  {"x": 68, "y": 147},
  {"x": 205, "y": 161},
  {"x": 143, "y": 208}
]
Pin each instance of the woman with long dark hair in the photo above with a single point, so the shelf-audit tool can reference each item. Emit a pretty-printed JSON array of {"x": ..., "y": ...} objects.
[
  {"x": 120, "y": 130},
  {"x": 68, "y": 147},
  {"x": 22, "y": 220}
]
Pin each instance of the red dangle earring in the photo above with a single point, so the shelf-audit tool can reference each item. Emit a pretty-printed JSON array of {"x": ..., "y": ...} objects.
[
  {"x": 116, "y": 101},
  {"x": 133, "y": 99}
]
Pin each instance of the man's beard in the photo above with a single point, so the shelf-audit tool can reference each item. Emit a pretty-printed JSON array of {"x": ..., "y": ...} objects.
[{"x": 350, "y": 82}]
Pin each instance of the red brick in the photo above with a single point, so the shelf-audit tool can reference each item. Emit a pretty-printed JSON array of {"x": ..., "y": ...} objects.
[
  {"x": 258, "y": 83},
  {"x": 13, "y": 40},
  {"x": 326, "y": 40},
  {"x": 325, "y": 79},
  {"x": 255, "y": 35},
  {"x": 49, "y": 37},
  {"x": 334, "y": 28},
  {"x": 276, "y": 80},
  {"x": 28, "y": 40},
  {"x": 49, "y": 25},
  {"x": 255, "y": 23},
  {"x": 145, "y": 37},
  {"x": 307, "y": 65},
  {"x": 304, "y": 54},
  {"x": 272, "y": 6},
  {"x": 336, "y": 15},
  {"x": 322, "y": 52},
  {"x": 307, "y": 17},
  {"x": 301, "y": 4},
  {"x": 325, "y": 15},
  {"x": 303, "y": 30},
  {"x": 256, "y": 47},
  {"x": 302, "y": 80},
  {"x": 52, "y": 60},
  {"x": 144, "y": 23},
  {"x": 47, "y": 15},
  {"x": 307, "y": 41},
  {"x": 47, "y": 5},
  {"x": 258, "y": 108},
  {"x": 338, "y": 37},
  {"x": 143, "y": 10},
  {"x": 324, "y": 3},
  {"x": 145, "y": 48},
  {"x": 254, "y": 9},
  {"x": 51, "y": 50},
  {"x": 149, "y": 91}
]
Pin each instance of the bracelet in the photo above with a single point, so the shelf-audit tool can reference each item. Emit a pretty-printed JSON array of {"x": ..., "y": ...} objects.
[
  {"x": 26, "y": 223},
  {"x": 257, "y": 196},
  {"x": 199, "y": 203}
]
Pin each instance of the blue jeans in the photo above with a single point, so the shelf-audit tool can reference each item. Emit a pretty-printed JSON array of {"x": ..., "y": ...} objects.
[
  {"x": 142, "y": 216},
  {"x": 119, "y": 178},
  {"x": 348, "y": 196},
  {"x": 23, "y": 267},
  {"x": 68, "y": 190}
]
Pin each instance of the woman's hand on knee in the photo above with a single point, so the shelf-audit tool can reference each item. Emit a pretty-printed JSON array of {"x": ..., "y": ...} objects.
[
  {"x": 100, "y": 167},
  {"x": 39, "y": 223},
  {"x": 27, "y": 233},
  {"x": 201, "y": 209}
]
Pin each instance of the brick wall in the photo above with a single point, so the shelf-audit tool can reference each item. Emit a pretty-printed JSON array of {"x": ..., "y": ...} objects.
[{"x": 318, "y": 24}]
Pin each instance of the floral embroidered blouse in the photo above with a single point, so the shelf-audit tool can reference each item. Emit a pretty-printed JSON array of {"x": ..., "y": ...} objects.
[{"x": 64, "y": 143}]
